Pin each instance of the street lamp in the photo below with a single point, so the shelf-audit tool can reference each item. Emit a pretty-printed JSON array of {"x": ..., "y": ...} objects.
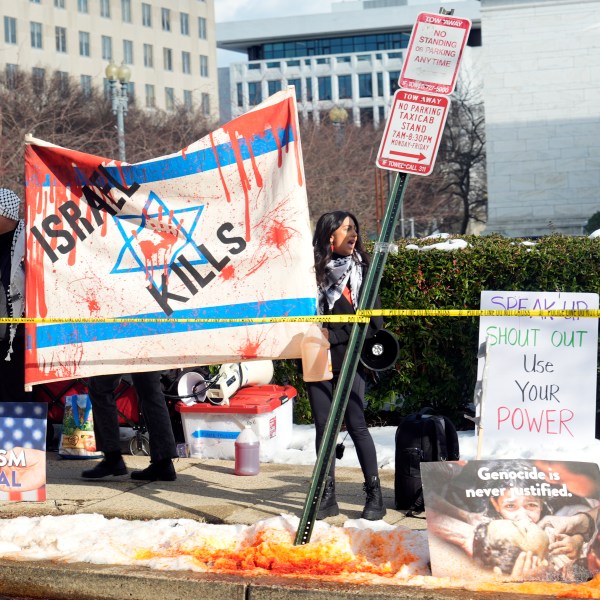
[
  {"x": 338, "y": 115},
  {"x": 119, "y": 99}
]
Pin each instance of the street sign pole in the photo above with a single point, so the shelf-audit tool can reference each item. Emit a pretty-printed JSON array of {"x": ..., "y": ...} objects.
[{"x": 351, "y": 359}]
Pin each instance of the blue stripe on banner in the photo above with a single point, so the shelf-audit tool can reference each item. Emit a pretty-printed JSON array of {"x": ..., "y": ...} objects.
[
  {"x": 220, "y": 435},
  {"x": 201, "y": 160},
  {"x": 59, "y": 334}
]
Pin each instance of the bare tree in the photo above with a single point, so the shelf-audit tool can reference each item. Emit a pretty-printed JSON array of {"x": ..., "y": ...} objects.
[
  {"x": 59, "y": 111},
  {"x": 454, "y": 196}
]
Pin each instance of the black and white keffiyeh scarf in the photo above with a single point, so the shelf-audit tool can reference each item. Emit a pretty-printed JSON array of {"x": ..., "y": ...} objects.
[{"x": 340, "y": 272}]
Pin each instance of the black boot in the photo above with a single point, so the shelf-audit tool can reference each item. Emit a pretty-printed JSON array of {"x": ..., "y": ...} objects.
[
  {"x": 374, "y": 507},
  {"x": 112, "y": 464},
  {"x": 159, "y": 470},
  {"x": 329, "y": 506}
]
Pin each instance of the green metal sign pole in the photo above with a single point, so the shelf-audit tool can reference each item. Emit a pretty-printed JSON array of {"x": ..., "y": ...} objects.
[{"x": 350, "y": 364}]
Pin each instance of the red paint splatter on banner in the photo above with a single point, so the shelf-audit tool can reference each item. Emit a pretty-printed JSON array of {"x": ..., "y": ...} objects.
[
  {"x": 156, "y": 253},
  {"x": 228, "y": 272},
  {"x": 277, "y": 118}
]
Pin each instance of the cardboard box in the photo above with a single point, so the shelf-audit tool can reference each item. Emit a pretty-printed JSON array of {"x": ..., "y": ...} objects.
[{"x": 211, "y": 430}]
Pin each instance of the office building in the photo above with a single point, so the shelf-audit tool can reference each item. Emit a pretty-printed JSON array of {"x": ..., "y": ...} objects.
[
  {"x": 168, "y": 45},
  {"x": 349, "y": 58},
  {"x": 541, "y": 71}
]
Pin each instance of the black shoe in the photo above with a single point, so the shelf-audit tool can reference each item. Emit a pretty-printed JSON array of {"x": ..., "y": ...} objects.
[
  {"x": 161, "y": 470},
  {"x": 329, "y": 506},
  {"x": 374, "y": 507},
  {"x": 107, "y": 467}
]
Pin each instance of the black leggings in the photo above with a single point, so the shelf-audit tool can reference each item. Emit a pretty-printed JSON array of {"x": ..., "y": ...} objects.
[{"x": 320, "y": 395}]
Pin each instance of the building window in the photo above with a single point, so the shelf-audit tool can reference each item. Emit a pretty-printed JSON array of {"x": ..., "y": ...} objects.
[
  {"x": 205, "y": 104},
  {"x": 105, "y": 8},
  {"x": 150, "y": 96},
  {"x": 107, "y": 53},
  {"x": 82, "y": 7},
  {"x": 60, "y": 33},
  {"x": 297, "y": 85},
  {"x": 38, "y": 79},
  {"x": 10, "y": 30},
  {"x": 365, "y": 85},
  {"x": 186, "y": 62},
  {"x": 169, "y": 98},
  {"x": 131, "y": 91},
  {"x": 146, "y": 15},
  {"x": 345, "y": 86},
  {"x": 379, "y": 85},
  {"x": 148, "y": 56},
  {"x": 36, "y": 35},
  {"x": 35, "y": 1},
  {"x": 128, "y": 52},
  {"x": 62, "y": 78},
  {"x": 202, "y": 28},
  {"x": 167, "y": 59},
  {"x": 11, "y": 76},
  {"x": 309, "y": 92},
  {"x": 86, "y": 84},
  {"x": 126, "y": 11},
  {"x": 203, "y": 65},
  {"x": 185, "y": 23},
  {"x": 239, "y": 89},
  {"x": 254, "y": 93},
  {"x": 187, "y": 99},
  {"x": 394, "y": 80},
  {"x": 84, "y": 43},
  {"x": 166, "y": 19},
  {"x": 324, "y": 84},
  {"x": 273, "y": 87},
  {"x": 59, "y": 3}
]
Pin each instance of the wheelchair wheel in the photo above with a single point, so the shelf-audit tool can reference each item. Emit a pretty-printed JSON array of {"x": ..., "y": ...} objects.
[{"x": 139, "y": 444}]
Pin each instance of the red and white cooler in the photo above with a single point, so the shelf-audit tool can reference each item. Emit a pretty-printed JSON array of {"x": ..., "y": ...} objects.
[{"x": 211, "y": 430}]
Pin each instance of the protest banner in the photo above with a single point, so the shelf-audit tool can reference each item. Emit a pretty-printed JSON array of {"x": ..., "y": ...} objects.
[
  {"x": 509, "y": 519},
  {"x": 23, "y": 451},
  {"x": 218, "y": 230},
  {"x": 541, "y": 372}
]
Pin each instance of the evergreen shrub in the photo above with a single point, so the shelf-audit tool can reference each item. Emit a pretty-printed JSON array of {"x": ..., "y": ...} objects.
[{"x": 437, "y": 365}]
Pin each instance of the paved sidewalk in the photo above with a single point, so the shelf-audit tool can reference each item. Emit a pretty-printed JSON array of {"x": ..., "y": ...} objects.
[{"x": 205, "y": 490}]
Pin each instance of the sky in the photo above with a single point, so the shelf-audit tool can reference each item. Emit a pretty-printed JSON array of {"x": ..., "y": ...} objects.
[
  {"x": 243, "y": 10},
  {"x": 360, "y": 551}
]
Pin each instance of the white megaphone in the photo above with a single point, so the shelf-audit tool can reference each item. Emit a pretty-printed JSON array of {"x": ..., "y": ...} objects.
[
  {"x": 233, "y": 376},
  {"x": 191, "y": 388}
]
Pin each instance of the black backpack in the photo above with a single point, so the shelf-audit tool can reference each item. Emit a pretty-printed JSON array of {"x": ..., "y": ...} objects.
[{"x": 420, "y": 437}]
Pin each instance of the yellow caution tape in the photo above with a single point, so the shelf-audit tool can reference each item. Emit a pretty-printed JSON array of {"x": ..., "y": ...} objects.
[
  {"x": 362, "y": 316},
  {"x": 478, "y": 313}
]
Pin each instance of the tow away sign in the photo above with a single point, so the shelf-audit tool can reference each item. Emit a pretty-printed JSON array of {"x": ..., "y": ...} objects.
[
  {"x": 434, "y": 52},
  {"x": 413, "y": 132}
]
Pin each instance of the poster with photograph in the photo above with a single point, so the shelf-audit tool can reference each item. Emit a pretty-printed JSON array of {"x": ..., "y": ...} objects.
[
  {"x": 513, "y": 519},
  {"x": 23, "y": 451}
]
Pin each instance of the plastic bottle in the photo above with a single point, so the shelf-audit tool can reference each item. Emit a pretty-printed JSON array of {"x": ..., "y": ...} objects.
[
  {"x": 247, "y": 453},
  {"x": 316, "y": 358}
]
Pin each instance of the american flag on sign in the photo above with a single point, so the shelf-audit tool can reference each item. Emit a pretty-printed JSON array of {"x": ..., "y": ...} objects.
[{"x": 23, "y": 451}]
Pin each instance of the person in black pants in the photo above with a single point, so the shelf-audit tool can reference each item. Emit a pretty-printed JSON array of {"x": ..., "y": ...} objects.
[
  {"x": 12, "y": 299},
  {"x": 341, "y": 265},
  {"x": 106, "y": 427}
]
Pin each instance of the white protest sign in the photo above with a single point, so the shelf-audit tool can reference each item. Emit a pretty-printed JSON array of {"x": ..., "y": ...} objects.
[{"x": 541, "y": 371}]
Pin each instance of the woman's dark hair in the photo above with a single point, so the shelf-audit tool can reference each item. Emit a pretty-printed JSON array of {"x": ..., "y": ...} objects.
[{"x": 326, "y": 225}]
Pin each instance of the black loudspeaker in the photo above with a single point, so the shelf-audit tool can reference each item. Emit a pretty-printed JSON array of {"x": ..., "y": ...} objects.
[{"x": 381, "y": 351}]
